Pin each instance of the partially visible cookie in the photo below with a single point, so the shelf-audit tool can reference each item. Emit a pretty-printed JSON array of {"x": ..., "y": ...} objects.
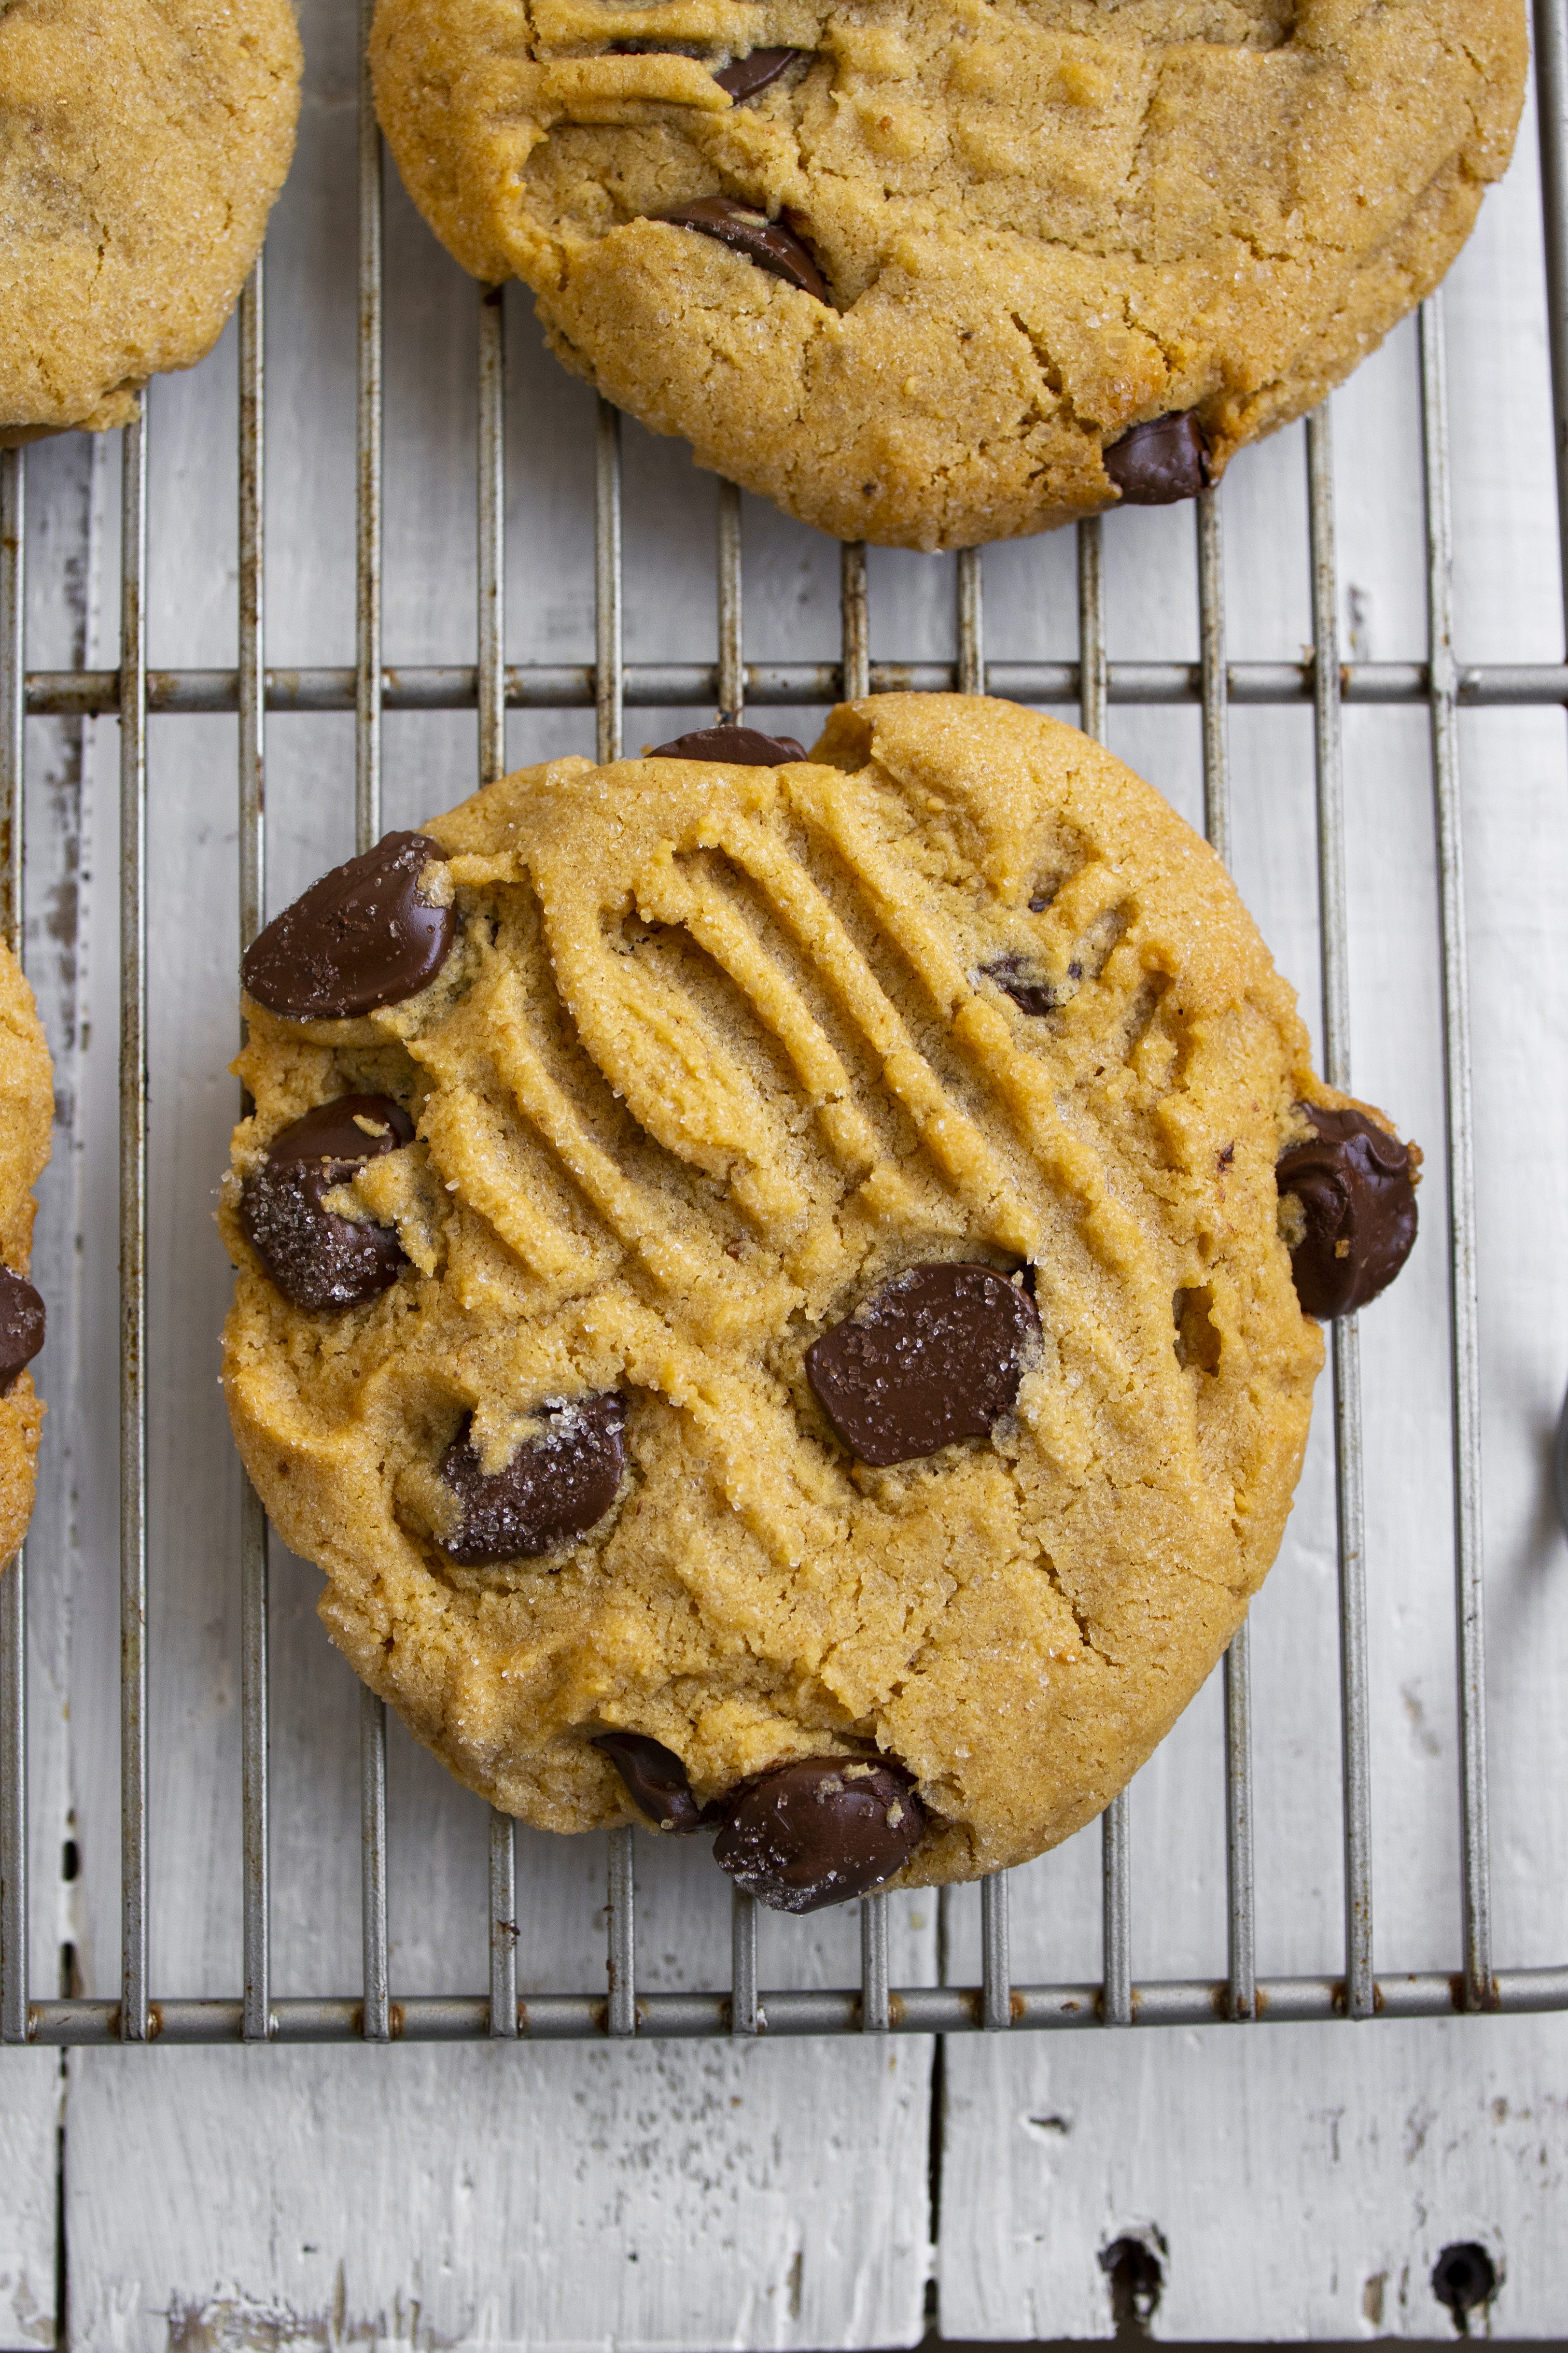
[
  {"x": 761, "y": 1283},
  {"x": 141, "y": 144},
  {"x": 26, "y": 1109},
  {"x": 932, "y": 272}
]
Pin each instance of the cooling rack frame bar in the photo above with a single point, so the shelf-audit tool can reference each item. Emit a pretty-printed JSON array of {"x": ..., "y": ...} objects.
[
  {"x": 910, "y": 2010},
  {"x": 131, "y": 693},
  {"x": 574, "y": 686}
]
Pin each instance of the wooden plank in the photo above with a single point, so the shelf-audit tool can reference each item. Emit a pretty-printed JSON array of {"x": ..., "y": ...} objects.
[
  {"x": 685, "y": 2196},
  {"x": 30, "y": 2090},
  {"x": 1294, "y": 2184},
  {"x": 484, "y": 2195},
  {"x": 497, "y": 2197},
  {"x": 59, "y": 483},
  {"x": 1302, "y": 2182}
]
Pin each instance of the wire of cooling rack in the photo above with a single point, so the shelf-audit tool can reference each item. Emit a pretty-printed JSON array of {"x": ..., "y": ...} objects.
[
  {"x": 13, "y": 1582},
  {"x": 609, "y": 686},
  {"x": 1465, "y": 1328},
  {"x": 253, "y": 1565},
  {"x": 133, "y": 1994},
  {"x": 1344, "y": 1348}
]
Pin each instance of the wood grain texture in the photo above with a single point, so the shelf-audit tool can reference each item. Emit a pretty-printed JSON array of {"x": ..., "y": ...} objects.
[
  {"x": 669, "y": 2196},
  {"x": 30, "y": 2092},
  {"x": 61, "y": 477},
  {"x": 484, "y": 2196},
  {"x": 687, "y": 2197},
  {"x": 1295, "y": 2183},
  {"x": 1301, "y": 2182}
]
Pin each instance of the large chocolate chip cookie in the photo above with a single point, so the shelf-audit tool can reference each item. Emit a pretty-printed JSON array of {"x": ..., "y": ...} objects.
[
  {"x": 767, "y": 1291},
  {"x": 141, "y": 144},
  {"x": 26, "y": 1109},
  {"x": 934, "y": 274}
]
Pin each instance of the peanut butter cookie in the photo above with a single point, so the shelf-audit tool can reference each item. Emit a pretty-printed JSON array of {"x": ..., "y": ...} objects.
[
  {"x": 141, "y": 144},
  {"x": 932, "y": 272},
  {"x": 762, "y": 1282}
]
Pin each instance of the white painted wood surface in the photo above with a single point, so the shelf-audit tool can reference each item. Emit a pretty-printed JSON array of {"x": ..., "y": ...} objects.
[
  {"x": 1303, "y": 2181},
  {"x": 694, "y": 2197},
  {"x": 58, "y": 630},
  {"x": 29, "y": 2135}
]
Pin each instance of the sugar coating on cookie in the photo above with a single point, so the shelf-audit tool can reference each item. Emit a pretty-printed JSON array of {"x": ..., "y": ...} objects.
[
  {"x": 142, "y": 144},
  {"x": 738, "y": 1083},
  {"x": 1040, "y": 225},
  {"x": 26, "y": 1110}
]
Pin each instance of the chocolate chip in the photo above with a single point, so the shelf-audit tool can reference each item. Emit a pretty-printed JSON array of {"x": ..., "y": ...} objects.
[
  {"x": 657, "y": 1781},
  {"x": 1357, "y": 1187},
  {"x": 555, "y": 1488},
  {"x": 768, "y": 243},
  {"x": 1011, "y": 975},
  {"x": 318, "y": 1258},
  {"x": 350, "y": 1129},
  {"x": 21, "y": 1327},
  {"x": 747, "y": 75},
  {"x": 364, "y": 936},
  {"x": 818, "y": 1831},
  {"x": 931, "y": 1357},
  {"x": 1160, "y": 461},
  {"x": 742, "y": 747}
]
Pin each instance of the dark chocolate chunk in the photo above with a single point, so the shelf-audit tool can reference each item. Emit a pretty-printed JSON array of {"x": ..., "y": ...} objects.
[
  {"x": 657, "y": 1781},
  {"x": 349, "y": 1129},
  {"x": 1157, "y": 463},
  {"x": 932, "y": 1356},
  {"x": 820, "y": 1830},
  {"x": 555, "y": 1488},
  {"x": 749, "y": 75},
  {"x": 21, "y": 1327},
  {"x": 742, "y": 747},
  {"x": 1357, "y": 1191},
  {"x": 318, "y": 1258},
  {"x": 1011, "y": 975},
  {"x": 364, "y": 936},
  {"x": 768, "y": 243}
]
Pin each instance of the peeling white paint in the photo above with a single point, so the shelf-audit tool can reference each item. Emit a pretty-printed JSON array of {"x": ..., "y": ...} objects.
[
  {"x": 1290, "y": 2183},
  {"x": 582, "y": 2225}
]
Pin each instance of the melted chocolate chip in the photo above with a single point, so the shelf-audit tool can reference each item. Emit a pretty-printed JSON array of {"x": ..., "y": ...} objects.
[
  {"x": 768, "y": 243},
  {"x": 742, "y": 747},
  {"x": 818, "y": 1831},
  {"x": 657, "y": 1781},
  {"x": 1357, "y": 1192},
  {"x": 1157, "y": 463},
  {"x": 749, "y": 75},
  {"x": 1011, "y": 975},
  {"x": 21, "y": 1327},
  {"x": 348, "y": 1130},
  {"x": 364, "y": 936},
  {"x": 931, "y": 1357},
  {"x": 555, "y": 1488},
  {"x": 318, "y": 1258}
]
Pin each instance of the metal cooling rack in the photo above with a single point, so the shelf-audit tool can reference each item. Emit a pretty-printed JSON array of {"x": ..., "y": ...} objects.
[{"x": 131, "y": 692}]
